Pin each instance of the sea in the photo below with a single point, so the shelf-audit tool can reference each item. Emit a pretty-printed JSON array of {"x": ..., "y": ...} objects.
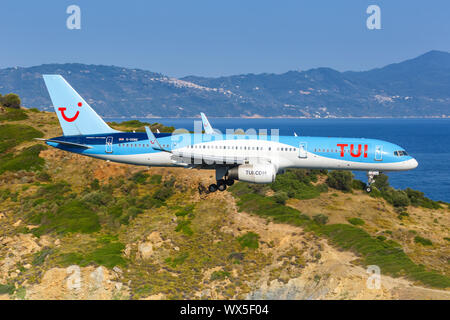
[{"x": 427, "y": 140}]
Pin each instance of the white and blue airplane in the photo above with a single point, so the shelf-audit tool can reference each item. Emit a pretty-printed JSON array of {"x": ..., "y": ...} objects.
[{"x": 245, "y": 157}]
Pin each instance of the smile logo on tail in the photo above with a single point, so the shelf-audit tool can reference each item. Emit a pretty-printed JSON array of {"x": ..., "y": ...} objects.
[{"x": 62, "y": 109}]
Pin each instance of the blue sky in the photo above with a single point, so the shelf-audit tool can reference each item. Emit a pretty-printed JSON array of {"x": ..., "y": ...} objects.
[{"x": 214, "y": 38}]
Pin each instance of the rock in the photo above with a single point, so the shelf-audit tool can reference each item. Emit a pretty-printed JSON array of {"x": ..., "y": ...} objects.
[
  {"x": 155, "y": 238},
  {"x": 145, "y": 250},
  {"x": 176, "y": 248},
  {"x": 17, "y": 223},
  {"x": 127, "y": 250},
  {"x": 77, "y": 282},
  {"x": 27, "y": 266},
  {"x": 117, "y": 270},
  {"x": 45, "y": 241}
]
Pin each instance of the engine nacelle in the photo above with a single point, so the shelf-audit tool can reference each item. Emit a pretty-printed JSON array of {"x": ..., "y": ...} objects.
[{"x": 255, "y": 173}]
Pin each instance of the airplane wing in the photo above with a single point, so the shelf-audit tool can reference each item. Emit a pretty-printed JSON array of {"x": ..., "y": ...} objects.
[
  {"x": 206, "y": 124},
  {"x": 66, "y": 143}
]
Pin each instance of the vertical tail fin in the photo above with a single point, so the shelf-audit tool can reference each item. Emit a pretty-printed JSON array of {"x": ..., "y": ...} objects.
[{"x": 74, "y": 113}]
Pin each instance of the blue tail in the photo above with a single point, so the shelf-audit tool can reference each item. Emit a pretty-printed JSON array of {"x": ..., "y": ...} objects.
[{"x": 74, "y": 113}]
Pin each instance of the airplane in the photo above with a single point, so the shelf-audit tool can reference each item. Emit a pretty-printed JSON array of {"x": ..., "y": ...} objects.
[{"x": 245, "y": 157}]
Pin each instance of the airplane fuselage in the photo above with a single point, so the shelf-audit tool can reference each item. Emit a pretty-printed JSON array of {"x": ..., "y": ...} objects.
[{"x": 217, "y": 149}]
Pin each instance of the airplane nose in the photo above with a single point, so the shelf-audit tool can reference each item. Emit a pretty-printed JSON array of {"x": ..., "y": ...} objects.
[{"x": 413, "y": 163}]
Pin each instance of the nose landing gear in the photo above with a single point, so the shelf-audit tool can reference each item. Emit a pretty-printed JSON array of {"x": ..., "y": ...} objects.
[{"x": 370, "y": 180}]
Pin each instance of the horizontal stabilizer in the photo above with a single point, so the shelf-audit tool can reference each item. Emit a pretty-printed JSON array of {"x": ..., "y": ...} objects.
[{"x": 66, "y": 143}]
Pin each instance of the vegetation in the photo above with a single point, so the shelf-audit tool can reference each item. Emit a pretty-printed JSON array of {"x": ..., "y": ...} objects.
[
  {"x": 356, "y": 221},
  {"x": 296, "y": 183},
  {"x": 387, "y": 254},
  {"x": 11, "y": 135},
  {"x": 249, "y": 240},
  {"x": 138, "y": 126},
  {"x": 74, "y": 216},
  {"x": 11, "y": 100},
  {"x": 219, "y": 275},
  {"x": 422, "y": 241},
  {"x": 320, "y": 219},
  {"x": 28, "y": 160},
  {"x": 106, "y": 252},
  {"x": 340, "y": 180}
]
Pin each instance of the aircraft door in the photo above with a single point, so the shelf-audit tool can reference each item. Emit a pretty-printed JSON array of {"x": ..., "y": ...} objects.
[
  {"x": 109, "y": 145},
  {"x": 303, "y": 150},
  {"x": 378, "y": 153}
]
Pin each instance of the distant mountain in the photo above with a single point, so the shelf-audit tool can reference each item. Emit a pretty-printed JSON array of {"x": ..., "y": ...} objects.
[{"x": 417, "y": 87}]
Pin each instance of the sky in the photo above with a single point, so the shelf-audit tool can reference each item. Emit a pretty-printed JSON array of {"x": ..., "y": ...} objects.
[{"x": 217, "y": 38}]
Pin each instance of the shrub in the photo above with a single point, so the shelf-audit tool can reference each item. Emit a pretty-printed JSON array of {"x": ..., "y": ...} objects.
[
  {"x": 12, "y": 135},
  {"x": 296, "y": 184},
  {"x": 7, "y": 288},
  {"x": 280, "y": 197},
  {"x": 95, "y": 184},
  {"x": 73, "y": 216},
  {"x": 163, "y": 193},
  {"x": 11, "y": 100},
  {"x": 249, "y": 240},
  {"x": 40, "y": 256},
  {"x": 219, "y": 275},
  {"x": 139, "y": 177},
  {"x": 156, "y": 179},
  {"x": 381, "y": 182},
  {"x": 320, "y": 219},
  {"x": 177, "y": 260},
  {"x": 185, "y": 227},
  {"x": 13, "y": 115},
  {"x": 397, "y": 198},
  {"x": 358, "y": 184},
  {"x": 422, "y": 241},
  {"x": 28, "y": 160},
  {"x": 187, "y": 210},
  {"x": 356, "y": 221},
  {"x": 418, "y": 198},
  {"x": 340, "y": 180},
  {"x": 107, "y": 253}
]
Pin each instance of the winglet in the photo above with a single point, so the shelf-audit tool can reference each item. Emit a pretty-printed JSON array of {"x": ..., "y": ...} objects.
[
  {"x": 206, "y": 124},
  {"x": 153, "y": 141}
]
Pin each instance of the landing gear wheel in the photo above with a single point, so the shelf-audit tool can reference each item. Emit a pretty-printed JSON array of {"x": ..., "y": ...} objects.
[
  {"x": 368, "y": 189},
  {"x": 221, "y": 185},
  {"x": 212, "y": 187},
  {"x": 229, "y": 182}
]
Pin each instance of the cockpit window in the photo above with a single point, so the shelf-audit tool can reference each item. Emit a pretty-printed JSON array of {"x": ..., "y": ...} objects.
[{"x": 400, "y": 153}]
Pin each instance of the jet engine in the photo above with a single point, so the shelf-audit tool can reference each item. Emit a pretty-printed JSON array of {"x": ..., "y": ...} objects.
[{"x": 254, "y": 173}]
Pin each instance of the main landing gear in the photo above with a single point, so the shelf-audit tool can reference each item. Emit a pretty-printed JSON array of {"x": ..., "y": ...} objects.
[
  {"x": 370, "y": 180},
  {"x": 221, "y": 185}
]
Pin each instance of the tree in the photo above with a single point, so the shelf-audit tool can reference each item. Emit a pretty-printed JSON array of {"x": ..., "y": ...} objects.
[
  {"x": 381, "y": 182},
  {"x": 340, "y": 180},
  {"x": 11, "y": 100}
]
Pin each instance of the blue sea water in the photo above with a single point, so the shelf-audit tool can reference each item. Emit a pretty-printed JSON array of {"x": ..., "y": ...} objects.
[{"x": 427, "y": 140}]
